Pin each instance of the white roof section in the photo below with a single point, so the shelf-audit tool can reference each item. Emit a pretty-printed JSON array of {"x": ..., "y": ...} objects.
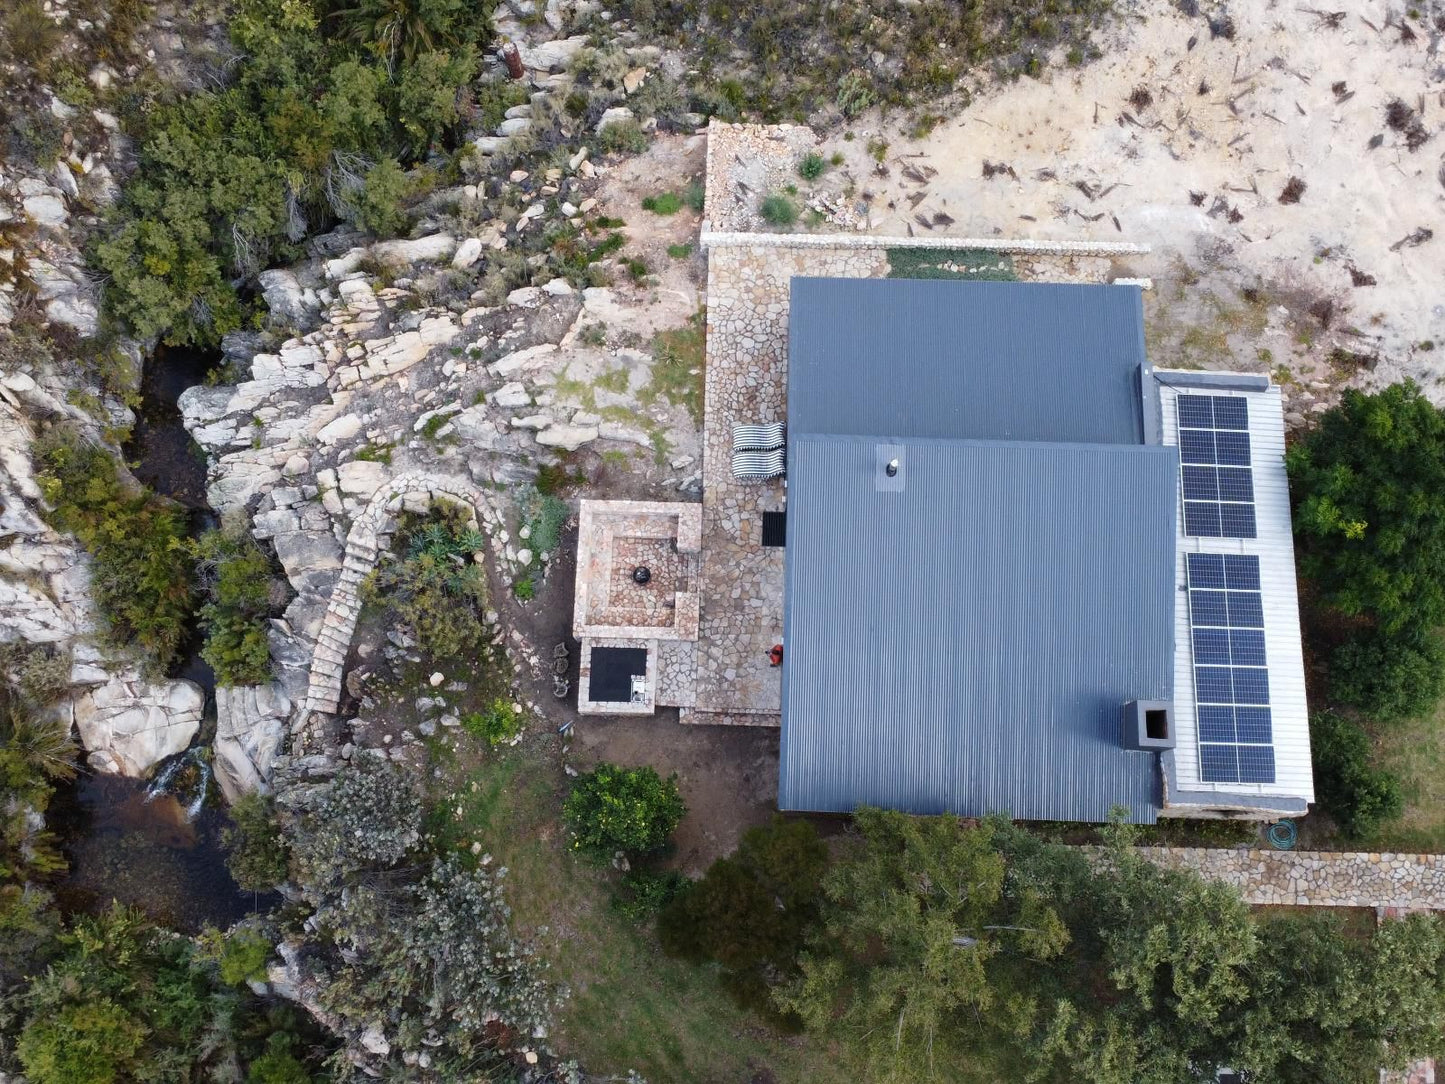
[{"x": 1274, "y": 547}]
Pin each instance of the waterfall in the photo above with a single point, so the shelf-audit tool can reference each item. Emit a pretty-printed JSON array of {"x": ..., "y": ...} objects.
[{"x": 186, "y": 778}]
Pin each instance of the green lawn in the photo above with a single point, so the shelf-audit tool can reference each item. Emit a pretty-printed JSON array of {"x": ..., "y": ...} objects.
[
  {"x": 1415, "y": 750},
  {"x": 630, "y": 1006}
]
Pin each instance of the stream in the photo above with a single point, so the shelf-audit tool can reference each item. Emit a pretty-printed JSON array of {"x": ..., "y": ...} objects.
[{"x": 156, "y": 843}]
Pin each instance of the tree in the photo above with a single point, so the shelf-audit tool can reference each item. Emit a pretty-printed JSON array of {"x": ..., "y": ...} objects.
[
  {"x": 1369, "y": 490},
  {"x": 633, "y": 810},
  {"x": 1389, "y": 676},
  {"x": 256, "y": 851},
  {"x": 752, "y": 911},
  {"x": 914, "y": 915},
  {"x": 368, "y": 818},
  {"x": 236, "y": 576}
]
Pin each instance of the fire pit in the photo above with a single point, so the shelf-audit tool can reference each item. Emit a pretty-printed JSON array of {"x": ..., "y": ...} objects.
[{"x": 641, "y": 574}]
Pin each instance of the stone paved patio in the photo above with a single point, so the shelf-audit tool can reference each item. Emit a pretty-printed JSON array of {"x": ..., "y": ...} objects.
[{"x": 1317, "y": 878}]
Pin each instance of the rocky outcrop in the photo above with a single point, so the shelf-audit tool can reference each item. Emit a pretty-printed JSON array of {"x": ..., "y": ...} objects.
[
  {"x": 250, "y": 727},
  {"x": 130, "y": 725}
]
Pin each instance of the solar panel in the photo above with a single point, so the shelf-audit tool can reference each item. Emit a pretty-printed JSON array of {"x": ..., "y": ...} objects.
[
  {"x": 1231, "y": 673},
  {"x": 1215, "y": 461}
]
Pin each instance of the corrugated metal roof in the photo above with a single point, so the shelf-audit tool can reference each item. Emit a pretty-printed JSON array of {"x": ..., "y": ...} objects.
[
  {"x": 985, "y": 360},
  {"x": 968, "y": 643}
]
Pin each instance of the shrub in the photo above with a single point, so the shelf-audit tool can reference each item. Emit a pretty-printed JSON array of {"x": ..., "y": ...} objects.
[
  {"x": 1358, "y": 795},
  {"x": 679, "y": 252},
  {"x": 694, "y": 195},
  {"x": 94, "y": 1042},
  {"x": 622, "y": 137},
  {"x": 256, "y": 852},
  {"x": 812, "y": 166},
  {"x": 645, "y": 892},
  {"x": 854, "y": 94},
  {"x": 1389, "y": 677},
  {"x": 236, "y": 577},
  {"x": 434, "y": 588},
  {"x": 499, "y": 724},
  {"x": 633, "y": 810},
  {"x": 779, "y": 210},
  {"x": 668, "y": 203},
  {"x": 369, "y": 817},
  {"x": 240, "y": 956},
  {"x": 141, "y": 575},
  {"x": 376, "y": 207},
  {"x": 277, "y": 1065}
]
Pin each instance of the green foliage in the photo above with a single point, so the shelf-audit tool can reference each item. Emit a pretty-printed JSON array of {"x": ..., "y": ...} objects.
[
  {"x": 544, "y": 515},
  {"x": 236, "y": 576},
  {"x": 633, "y": 810},
  {"x": 29, "y": 36},
  {"x": 667, "y": 203},
  {"x": 622, "y": 137},
  {"x": 277, "y": 1065},
  {"x": 317, "y": 121},
  {"x": 752, "y": 911},
  {"x": 142, "y": 570},
  {"x": 368, "y": 818},
  {"x": 434, "y": 588},
  {"x": 94, "y": 1042},
  {"x": 1389, "y": 676},
  {"x": 497, "y": 725},
  {"x": 779, "y": 210},
  {"x": 812, "y": 166},
  {"x": 1358, "y": 795},
  {"x": 694, "y": 195},
  {"x": 679, "y": 356},
  {"x": 645, "y": 892},
  {"x": 679, "y": 252},
  {"x": 854, "y": 94},
  {"x": 240, "y": 956},
  {"x": 256, "y": 851},
  {"x": 1369, "y": 489}
]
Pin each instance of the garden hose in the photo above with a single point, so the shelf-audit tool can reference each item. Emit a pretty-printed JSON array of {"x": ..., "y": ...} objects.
[{"x": 1282, "y": 835}]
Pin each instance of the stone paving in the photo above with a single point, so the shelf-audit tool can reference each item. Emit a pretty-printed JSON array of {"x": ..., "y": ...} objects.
[
  {"x": 1317, "y": 878},
  {"x": 746, "y": 377},
  {"x": 617, "y": 537}
]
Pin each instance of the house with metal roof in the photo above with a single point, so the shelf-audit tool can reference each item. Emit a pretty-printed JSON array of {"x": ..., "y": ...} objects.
[{"x": 1026, "y": 571}]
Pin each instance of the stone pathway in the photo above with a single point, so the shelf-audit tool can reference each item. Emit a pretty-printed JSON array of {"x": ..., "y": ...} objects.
[
  {"x": 412, "y": 492},
  {"x": 1317, "y": 878}
]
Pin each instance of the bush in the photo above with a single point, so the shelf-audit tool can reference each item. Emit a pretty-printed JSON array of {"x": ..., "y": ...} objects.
[
  {"x": 499, "y": 724},
  {"x": 779, "y": 210},
  {"x": 236, "y": 576},
  {"x": 812, "y": 166},
  {"x": 622, "y": 137},
  {"x": 1358, "y": 795},
  {"x": 1389, "y": 676},
  {"x": 368, "y": 818},
  {"x": 854, "y": 94},
  {"x": 632, "y": 810},
  {"x": 141, "y": 575},
  {"x": 435, "y": 589},
  {"x": 256, "y": 852},
  {"x": 90, "y": 1043},
  {"x": 645, "y": 892},
  {"x": 240, "y": 956}
]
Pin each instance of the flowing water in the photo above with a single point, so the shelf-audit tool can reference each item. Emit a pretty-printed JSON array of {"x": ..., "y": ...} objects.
[{"x": 156, "y": 843}]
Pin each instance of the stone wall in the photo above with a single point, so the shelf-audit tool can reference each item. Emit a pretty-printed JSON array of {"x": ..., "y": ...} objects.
[{"x": 1317, "y": 878}]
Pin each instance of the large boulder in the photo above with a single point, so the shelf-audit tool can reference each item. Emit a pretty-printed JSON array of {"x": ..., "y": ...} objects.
[
  {"x": 432, "y": 249},
  {"x": 286, "y": 298},
  {"x": 250, "y": 725},
  {"x": 130, "y": 725}
]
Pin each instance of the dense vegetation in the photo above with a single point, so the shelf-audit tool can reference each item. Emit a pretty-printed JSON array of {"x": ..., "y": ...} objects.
[
  {"x": 1369, "y": 520},
  {"x": 930, "y": 947},
  {"x": 629, "y": 810},
  {"x": 787, "y": 60},
  {"x": 236, "y": 577},
  {"x": 141, "y": 572},
  {"x": 432, "y": 584},
  {"x": 329, "y": 100}
]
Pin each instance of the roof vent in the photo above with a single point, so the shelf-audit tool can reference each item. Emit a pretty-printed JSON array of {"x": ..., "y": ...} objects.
[
  {"x": 889, "y": 468},
  {"x": 1148, "y": 725}
]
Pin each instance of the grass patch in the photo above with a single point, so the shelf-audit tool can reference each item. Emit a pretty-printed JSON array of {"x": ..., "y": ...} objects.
[
  {"x": 679, "y": 252},
  {"x": 1414, "y": 750},
  {"x": 679, "y": 356},
  {"x": 631, "y": 1006},
  {"x": 374, "y": 453},
  {"x": 951, "y": 263},
  {"x": 665, "y": 203}
]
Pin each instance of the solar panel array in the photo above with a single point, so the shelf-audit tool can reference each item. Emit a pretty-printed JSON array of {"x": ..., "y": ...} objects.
[
  {"x": 1214, "y": 456},
  {"x": 1231, "y": 672}
]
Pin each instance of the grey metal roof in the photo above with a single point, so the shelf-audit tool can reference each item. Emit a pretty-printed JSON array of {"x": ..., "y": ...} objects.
[
  {"x": 984, "y": 360},
  {"x": 966, "y": 640}
]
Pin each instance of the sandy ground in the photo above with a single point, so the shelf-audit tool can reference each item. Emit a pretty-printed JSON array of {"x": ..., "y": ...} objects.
[{"x": 1195, "y": 166}]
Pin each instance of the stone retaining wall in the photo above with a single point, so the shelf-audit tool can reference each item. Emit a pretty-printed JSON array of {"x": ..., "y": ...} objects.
[{"x": 1317, "y": 878}]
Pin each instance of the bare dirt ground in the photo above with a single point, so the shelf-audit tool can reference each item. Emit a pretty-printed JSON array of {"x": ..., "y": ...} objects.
[{"x": 1186, "y": 139}]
